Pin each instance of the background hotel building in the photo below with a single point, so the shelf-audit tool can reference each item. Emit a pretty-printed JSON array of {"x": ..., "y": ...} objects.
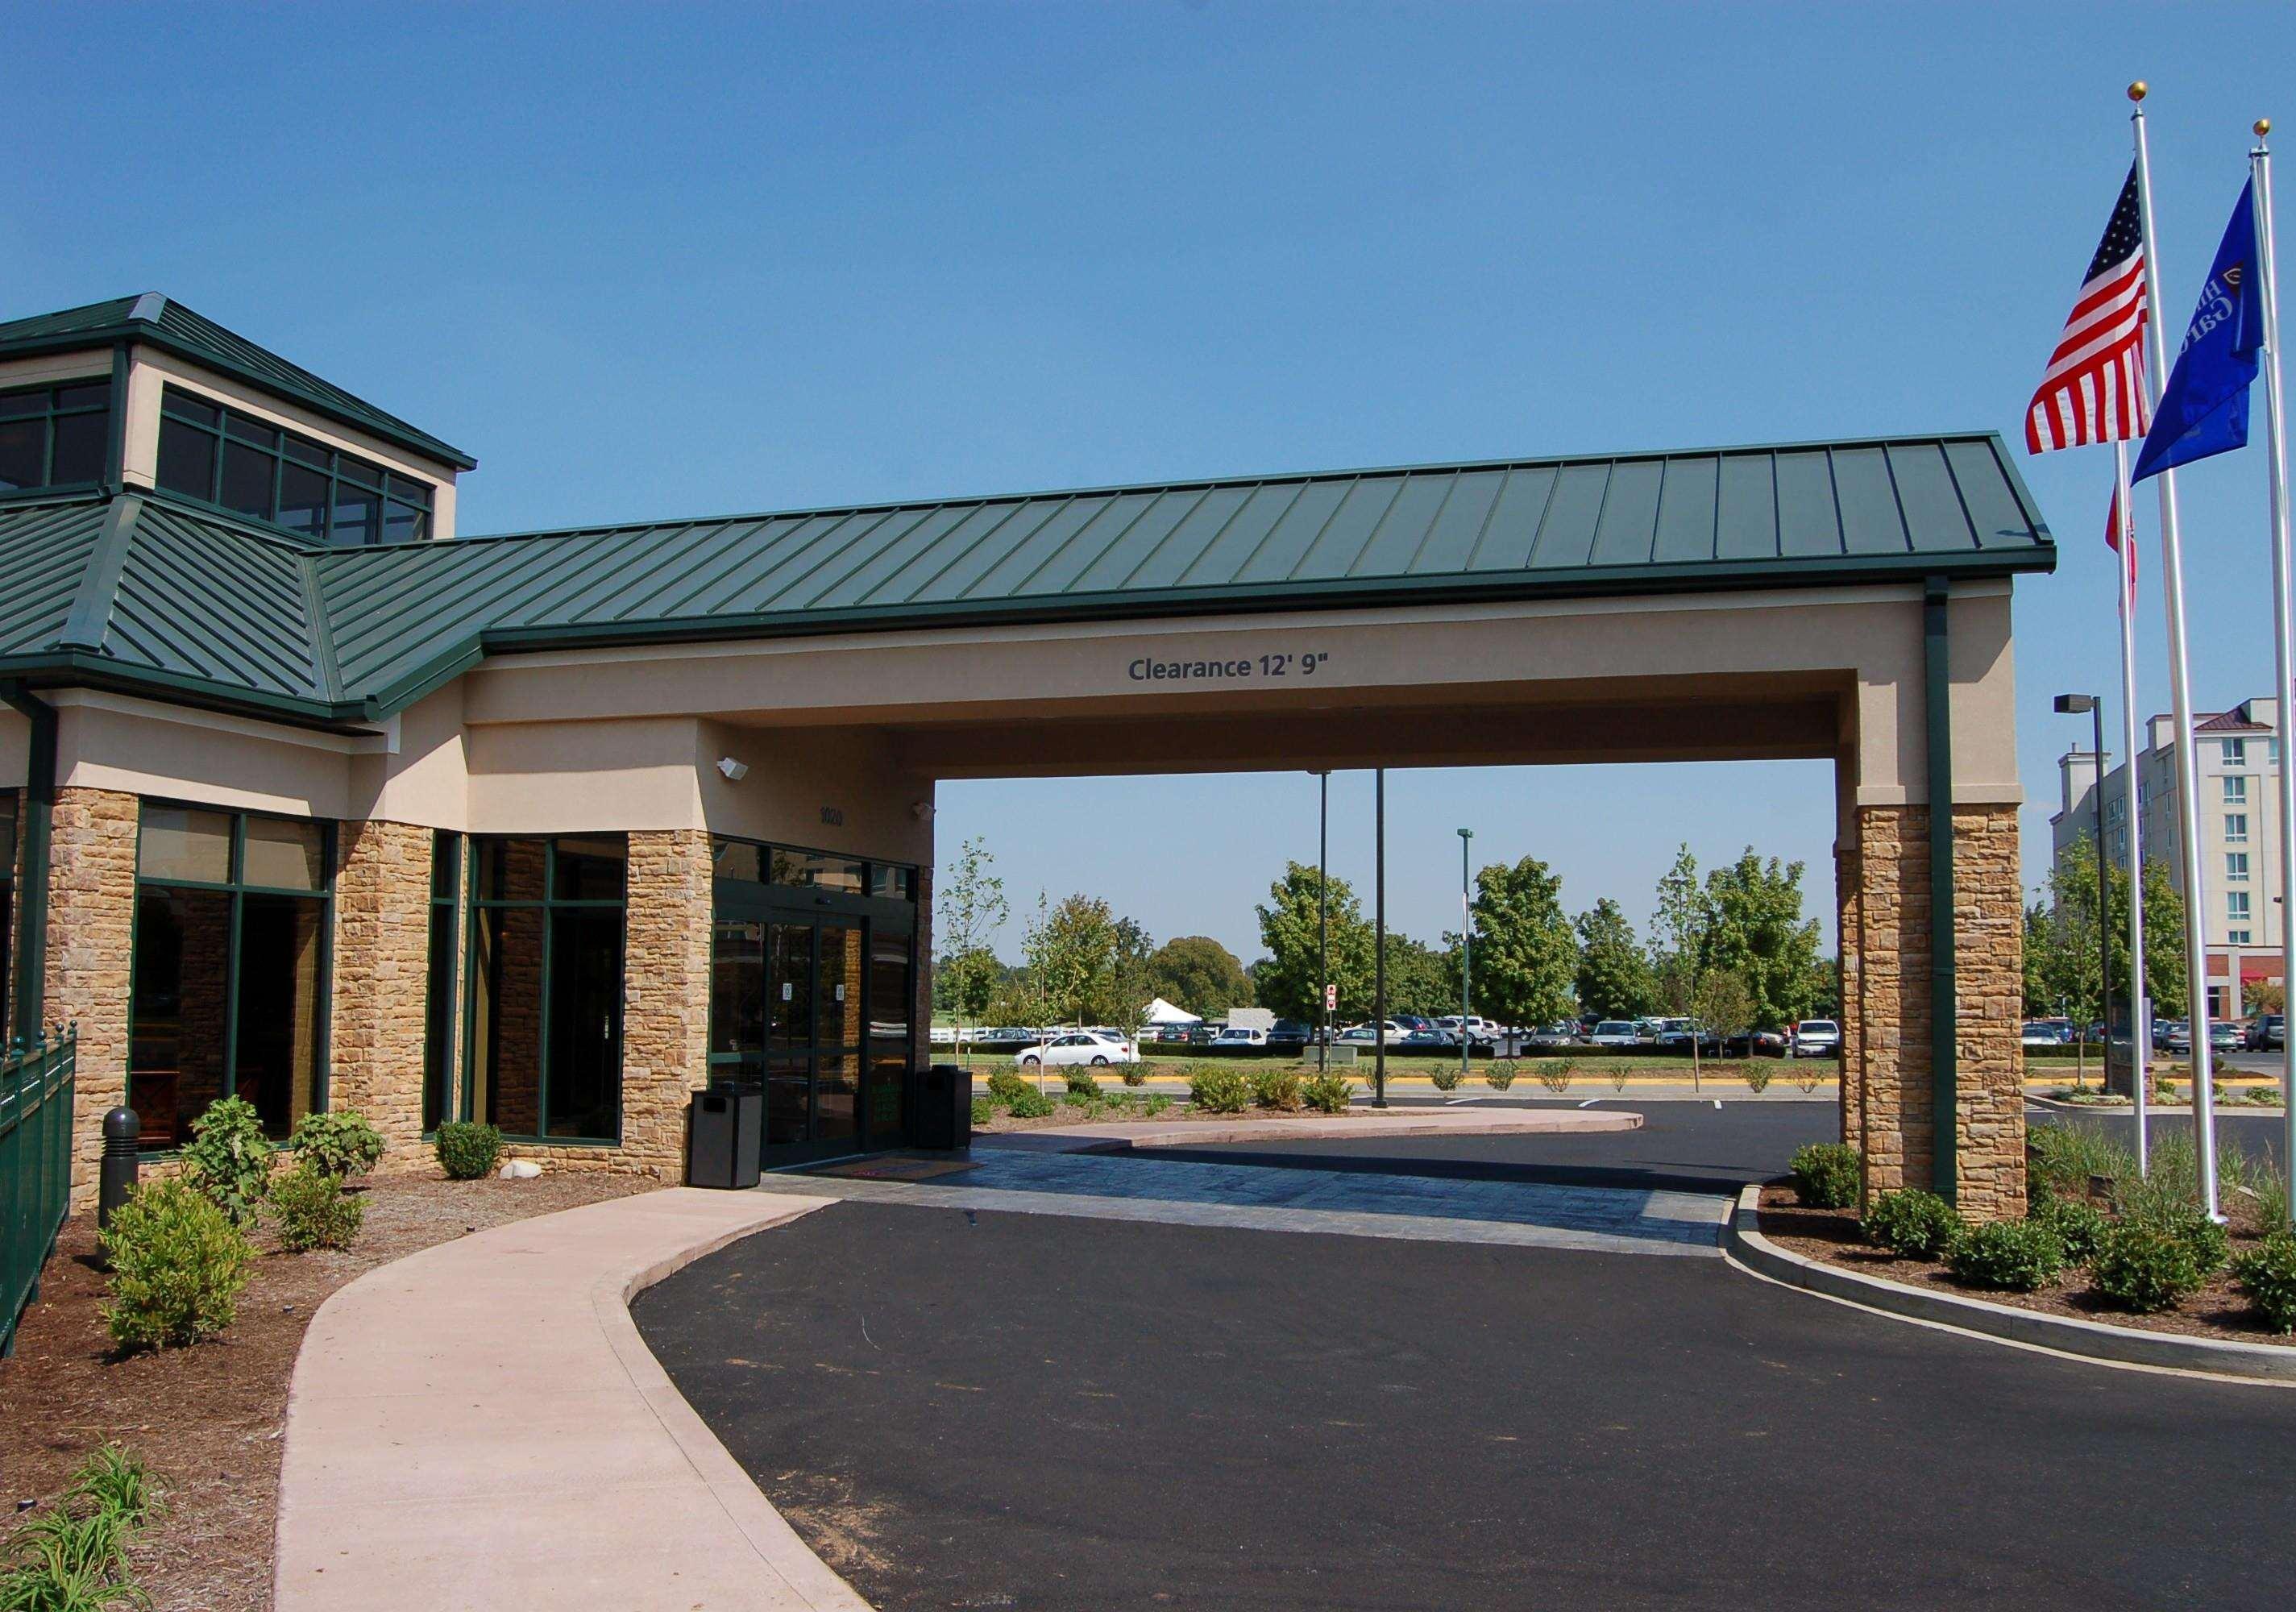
[{"x": 2238, "y": 755}]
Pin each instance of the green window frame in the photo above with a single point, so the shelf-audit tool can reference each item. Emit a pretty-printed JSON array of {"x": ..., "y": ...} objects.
[
  {"x": 482, "y": 997},
  {"x": 229, "y": 460},
  {"x": 10, "y": 815},
  {"x": 443, "y": 978},
  {"x": 68, "y": 420},
  {"x": 236, "y": 889},
  {"x": 797, "y": 867}
]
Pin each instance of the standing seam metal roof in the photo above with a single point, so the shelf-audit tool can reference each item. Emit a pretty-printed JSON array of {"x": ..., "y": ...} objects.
[{"x": 227, "y": 610}]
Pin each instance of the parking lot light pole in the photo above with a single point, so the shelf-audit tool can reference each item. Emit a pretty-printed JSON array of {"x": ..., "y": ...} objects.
[
  {"x": 1466, "y": 946},
  {"x": 1323, "y": 916},
  {"x": 2074, "y": 705}
]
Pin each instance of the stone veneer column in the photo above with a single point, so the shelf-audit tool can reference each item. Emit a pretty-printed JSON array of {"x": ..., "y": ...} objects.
[
  {"x": 91, "y": 930},
  {"x": 664, "y": 998},
  {"x": 1893, "y": 1007},
  {"x": 1850, "y": 917},
  {"x": 381, "y": 982}
]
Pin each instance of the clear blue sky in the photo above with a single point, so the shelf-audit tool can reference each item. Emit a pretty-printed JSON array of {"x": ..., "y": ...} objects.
[{"x": 658, "y": 261}]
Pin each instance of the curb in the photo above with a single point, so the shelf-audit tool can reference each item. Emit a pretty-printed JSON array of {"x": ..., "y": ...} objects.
[{"x": 1744, "y": 1243}]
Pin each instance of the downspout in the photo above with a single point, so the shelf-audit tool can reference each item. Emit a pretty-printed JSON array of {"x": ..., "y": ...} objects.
[
  {"x": 1945, "y": 1128},
  {"x": 39, "y": 806}
]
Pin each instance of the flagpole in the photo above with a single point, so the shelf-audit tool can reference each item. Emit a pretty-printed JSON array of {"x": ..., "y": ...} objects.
[
  {"x": 2260, "y": 174},
  {"x": 2188, "y": 785},
  {"x": 2140, "y": 1007}
]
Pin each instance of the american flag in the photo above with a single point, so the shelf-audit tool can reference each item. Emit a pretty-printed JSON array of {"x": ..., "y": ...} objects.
[
  {"x": 2094, "y": 388},
  {"x": 2120, "y": 534}
]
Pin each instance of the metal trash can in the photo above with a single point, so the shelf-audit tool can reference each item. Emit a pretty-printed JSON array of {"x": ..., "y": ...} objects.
[
  {"x": 724, "y": 1127},
  {"x": 941, "y": 1110}
]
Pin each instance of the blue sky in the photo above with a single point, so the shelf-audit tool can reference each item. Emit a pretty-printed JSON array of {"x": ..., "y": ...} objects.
[{"x": 663, "y": 260}]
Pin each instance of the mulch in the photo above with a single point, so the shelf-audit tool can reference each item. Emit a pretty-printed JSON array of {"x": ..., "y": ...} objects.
[
  {"x": 209, "y": 1419},
  {"x": 2219, "y": 1309}
]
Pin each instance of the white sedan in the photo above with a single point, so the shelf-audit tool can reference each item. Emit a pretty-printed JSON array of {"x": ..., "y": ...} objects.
[{"x": 1077, "y": 1046}]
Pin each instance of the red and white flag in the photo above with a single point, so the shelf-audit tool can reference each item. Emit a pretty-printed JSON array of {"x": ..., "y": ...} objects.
[
  {"x": 2121, "y": 534},
  {"x": 2094, "y": 388}
]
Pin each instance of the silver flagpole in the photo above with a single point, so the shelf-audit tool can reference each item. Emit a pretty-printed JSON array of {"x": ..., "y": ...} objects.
[
  {"x": 2260, "y": 174},
  {"x": 2140, "y": 1009},
  {"x": 2180, "y": 690}
]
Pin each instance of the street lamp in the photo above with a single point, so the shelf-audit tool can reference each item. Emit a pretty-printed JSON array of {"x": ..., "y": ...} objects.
[
  {"x": 2075, "y": 704},
  {"x": 1466, "y": 946}
]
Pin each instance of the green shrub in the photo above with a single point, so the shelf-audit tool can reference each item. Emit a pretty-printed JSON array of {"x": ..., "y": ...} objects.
[
  {"x": 1500, "y": 1075},
  {"x": 1757, "y": 1076},
  {"x": 1135, "y": 1074},
  {"x": 2068, "y": 1156},
  {"x": 1006, "y": 1085},
  {"x": 178, "y": 1266},
  {"x": 1556, "y": 1073},
  {"x": 1826, "y": 1175},
  {"x": 73, "y": 1556},
  {"x": 983, "y": 1111},
  {"x": 2015, "y": 1257},
  {"x": 1446, "y": 1078},
  {"x": 1912, "y": 1224},
  {"x": 1327, "y": 1093},
  {"x": 2075, "y": 1221},
  {"x": 1080, "y": 1084},
  {"x": 1030, "y": 1105},
  {"x": 2267, "y": 1275},
  {"x": 313, "y": 1210},
  {"x": 339, "y": 1142},
  {"x": 1216, "y": 1089},
  {"x": 467, "y": 1150},
  {"x": 229, "y": 1159},
  {"x": 1156, "y": 1104},
  {"x": 2143, "y": 1268},
  {"x": 114, "y": 1479},
  {"x": 1276, "y": 1088}
]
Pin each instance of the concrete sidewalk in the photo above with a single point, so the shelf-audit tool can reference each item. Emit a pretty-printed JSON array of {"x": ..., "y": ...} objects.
[{"x": 478, "y": 1427}]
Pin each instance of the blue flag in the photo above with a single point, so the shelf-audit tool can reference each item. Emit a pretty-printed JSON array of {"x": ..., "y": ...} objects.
[{"x": 2204, "y": 410}]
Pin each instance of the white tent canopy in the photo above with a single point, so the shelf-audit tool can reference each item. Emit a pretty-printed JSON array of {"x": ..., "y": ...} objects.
[{"x": 1161, "y": 1012}]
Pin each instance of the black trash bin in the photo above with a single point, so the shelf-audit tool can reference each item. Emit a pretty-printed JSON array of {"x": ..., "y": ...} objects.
[
  {"x": 942, "y": 1110},
  {"x": 723, "y": 1129}
]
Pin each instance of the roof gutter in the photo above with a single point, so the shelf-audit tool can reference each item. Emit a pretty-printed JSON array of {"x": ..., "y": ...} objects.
[{"x": 31, "y": 953}]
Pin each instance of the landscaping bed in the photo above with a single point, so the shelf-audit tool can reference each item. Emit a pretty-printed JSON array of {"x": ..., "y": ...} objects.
[{"x": 207, "y": 1417}]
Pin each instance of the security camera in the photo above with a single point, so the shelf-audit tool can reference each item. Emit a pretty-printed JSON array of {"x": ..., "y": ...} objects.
[{"x": 735, "y": 771}]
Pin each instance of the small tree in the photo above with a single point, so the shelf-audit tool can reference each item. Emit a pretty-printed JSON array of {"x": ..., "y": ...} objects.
[
  {"x": 1131, "y": 977},
  {"x": 1723, "y": 1003},
  {"x": 1614, "y": 976},
  {"x": 1525, "y": 959},
  {"x": 972, "y": 908}
]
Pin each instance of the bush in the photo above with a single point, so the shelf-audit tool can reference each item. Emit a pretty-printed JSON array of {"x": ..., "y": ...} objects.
[
  {"x": 228, "y": 1158},
  {"x": 1135, "y": 1074},
  {"x": 1328, "y": 1093},
  {"x": 2015, "y": 1257},
  {"x": 2267, "y": 1275},
  {"x": 1826, "y": 1175},
  {"x": 2143, "y": 1268},
  {"x": 1216, "y": 1089},
  {"x": 1912, "y": 1224},
  {"x": 1757, "y": 1076},
  {"x": 2068, "y": 1156},
  {"x": 73, "y": 1558},
  {"x": 1157, "y": 1103},
  {"x": 1556, "y": 1073},
  {"x": 1446, "y": 1078},
  {"x": 1276, "y": 1088},
  {"x": 177, "y": 1265},
  {"x": 2075, "y": 1221},
  {"x": 1030, "y": 1105},
  {"x": 983, "y": 1111},
  {"x": 340, "y": 1143},
  {"x": 1500, "y": 1075},
  {"x": 1005, "y": 1086},
  {"x": 1081, "y": 1083},
  {"x": 467, "y": 1151},
  {"x": 313, "y": 1210}
]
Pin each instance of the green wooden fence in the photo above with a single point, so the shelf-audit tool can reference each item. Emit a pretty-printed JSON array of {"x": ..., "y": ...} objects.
[{"x": 35, "y": 1151}]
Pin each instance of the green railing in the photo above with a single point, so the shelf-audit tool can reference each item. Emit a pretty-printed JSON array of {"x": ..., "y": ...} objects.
[{"x": 36, "y": 1156}]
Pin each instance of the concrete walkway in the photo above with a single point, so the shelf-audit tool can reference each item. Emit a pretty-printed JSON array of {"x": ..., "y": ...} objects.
[{"x": 478, "y": 1427}]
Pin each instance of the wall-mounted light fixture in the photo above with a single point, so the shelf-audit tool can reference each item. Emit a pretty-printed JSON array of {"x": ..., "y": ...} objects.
[{"x": 735, "y": 771}]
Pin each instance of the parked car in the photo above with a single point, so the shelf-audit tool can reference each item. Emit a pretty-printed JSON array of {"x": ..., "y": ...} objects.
[
  {"x": 1615, "y": 1033},
  {"x": 1363, "y": 1034},
  {"x": 1431, "y": 1040},
  {"x": 2224, "y": 1036},
  {"x": 1817, "y": 1038},
  {"x": 944, "y": 1035},
  {"x": 1671, "y": 1032},
  {"x": 1291, "y": 1032},
  {"x": 2040, "y": 1036},
  {"x": 1565, "y": 1034},
  {"x": 2269, "y": 1033},
  {"x": 1077, "y": 1046},
  {"x": 1768, "y": 1044},
  {"x": 2173, "y": 1035},
  {"x": 1240, "y": 1035}
]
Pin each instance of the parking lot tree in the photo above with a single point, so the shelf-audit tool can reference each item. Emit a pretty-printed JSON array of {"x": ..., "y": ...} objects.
[
  {"x": 1526, "y": 959},
  {"x": 1723, "y": 1007},
  {"x": 1421, "y": 979},
  {"x": 2060, "y": 966},
  {"x": 970, "y": 907},
  {"x": 1129, "y": 978},
  {"x": 2263, "y": 996},
  {"x": 1287, "y": 983},
  {"x": 1197, "y": 973},
  {"x": 1677, "y": 932},
  {"x": 1071, "y": 952},
  {"x": 1614, "y": 973},
  {"x": 1756, "y": 929}
]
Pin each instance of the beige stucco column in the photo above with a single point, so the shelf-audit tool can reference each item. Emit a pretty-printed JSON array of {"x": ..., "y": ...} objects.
[
  {"x": 91, "y": 932},
  {"x": 381, "y": 982}
]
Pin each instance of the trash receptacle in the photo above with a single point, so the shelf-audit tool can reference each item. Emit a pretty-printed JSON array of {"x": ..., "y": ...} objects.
[
  {"x": 943, "y": 1109},
  {"x": 722, "y": 1134}
]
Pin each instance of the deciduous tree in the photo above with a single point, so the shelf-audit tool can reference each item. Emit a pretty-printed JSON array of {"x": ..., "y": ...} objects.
[
  {"x": 1614, "y": 975},
  {"x": 1526, "y": 959},
  {"x": 969, "y": 911},
  {"x": 1197, "y": 973},
  {"x": 1755, "y": 928},
  {"x": 1288, "y": 981}
]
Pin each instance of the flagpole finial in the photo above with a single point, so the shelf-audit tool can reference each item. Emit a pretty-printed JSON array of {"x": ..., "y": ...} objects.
[
  {"x": 2262, "y": 126},
  {"x": 2136, "y": 90}
]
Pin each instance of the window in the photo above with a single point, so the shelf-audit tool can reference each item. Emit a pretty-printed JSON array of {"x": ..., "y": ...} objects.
[
  {"x": 221, "y": 455},
  {"x": 2237, "y": 865},
  {"x": 2236, "y": 906},
  {"x": 55, "y": 436},
  {"x": 2237, "y": 937},
  {"x": 2235, "y": 789},
  {"x": 438, "y": 1025},
  {"x": 544, "y": 1021},
  {"x": 2236, "y": 828},
  {"x": 2235, "y": 753},
  {"x": 750, "y": 863},
  {"x": 230, "y": 952}
]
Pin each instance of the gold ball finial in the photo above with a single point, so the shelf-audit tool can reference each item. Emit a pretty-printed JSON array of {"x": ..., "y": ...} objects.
[
  {"x": 2263, "y": 127},
  {"x": 2136, "y": 90}
]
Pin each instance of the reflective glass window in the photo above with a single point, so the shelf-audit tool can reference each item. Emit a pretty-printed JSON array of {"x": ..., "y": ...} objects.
[
  {"x": 55, "y": 436},
  {"x": 283, "y": 853},
  {"x": 178, "y": 842},
  {"x": 187, "y": 459}
]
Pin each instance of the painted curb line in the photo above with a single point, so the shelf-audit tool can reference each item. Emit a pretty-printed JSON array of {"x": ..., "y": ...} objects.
[{"x": 2059, "y": 1333}]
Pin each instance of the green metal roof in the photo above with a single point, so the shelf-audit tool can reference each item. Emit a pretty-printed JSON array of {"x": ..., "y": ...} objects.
[
  {"x": 216, "y": 611},
  {"x": 163, "y": 322}
]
